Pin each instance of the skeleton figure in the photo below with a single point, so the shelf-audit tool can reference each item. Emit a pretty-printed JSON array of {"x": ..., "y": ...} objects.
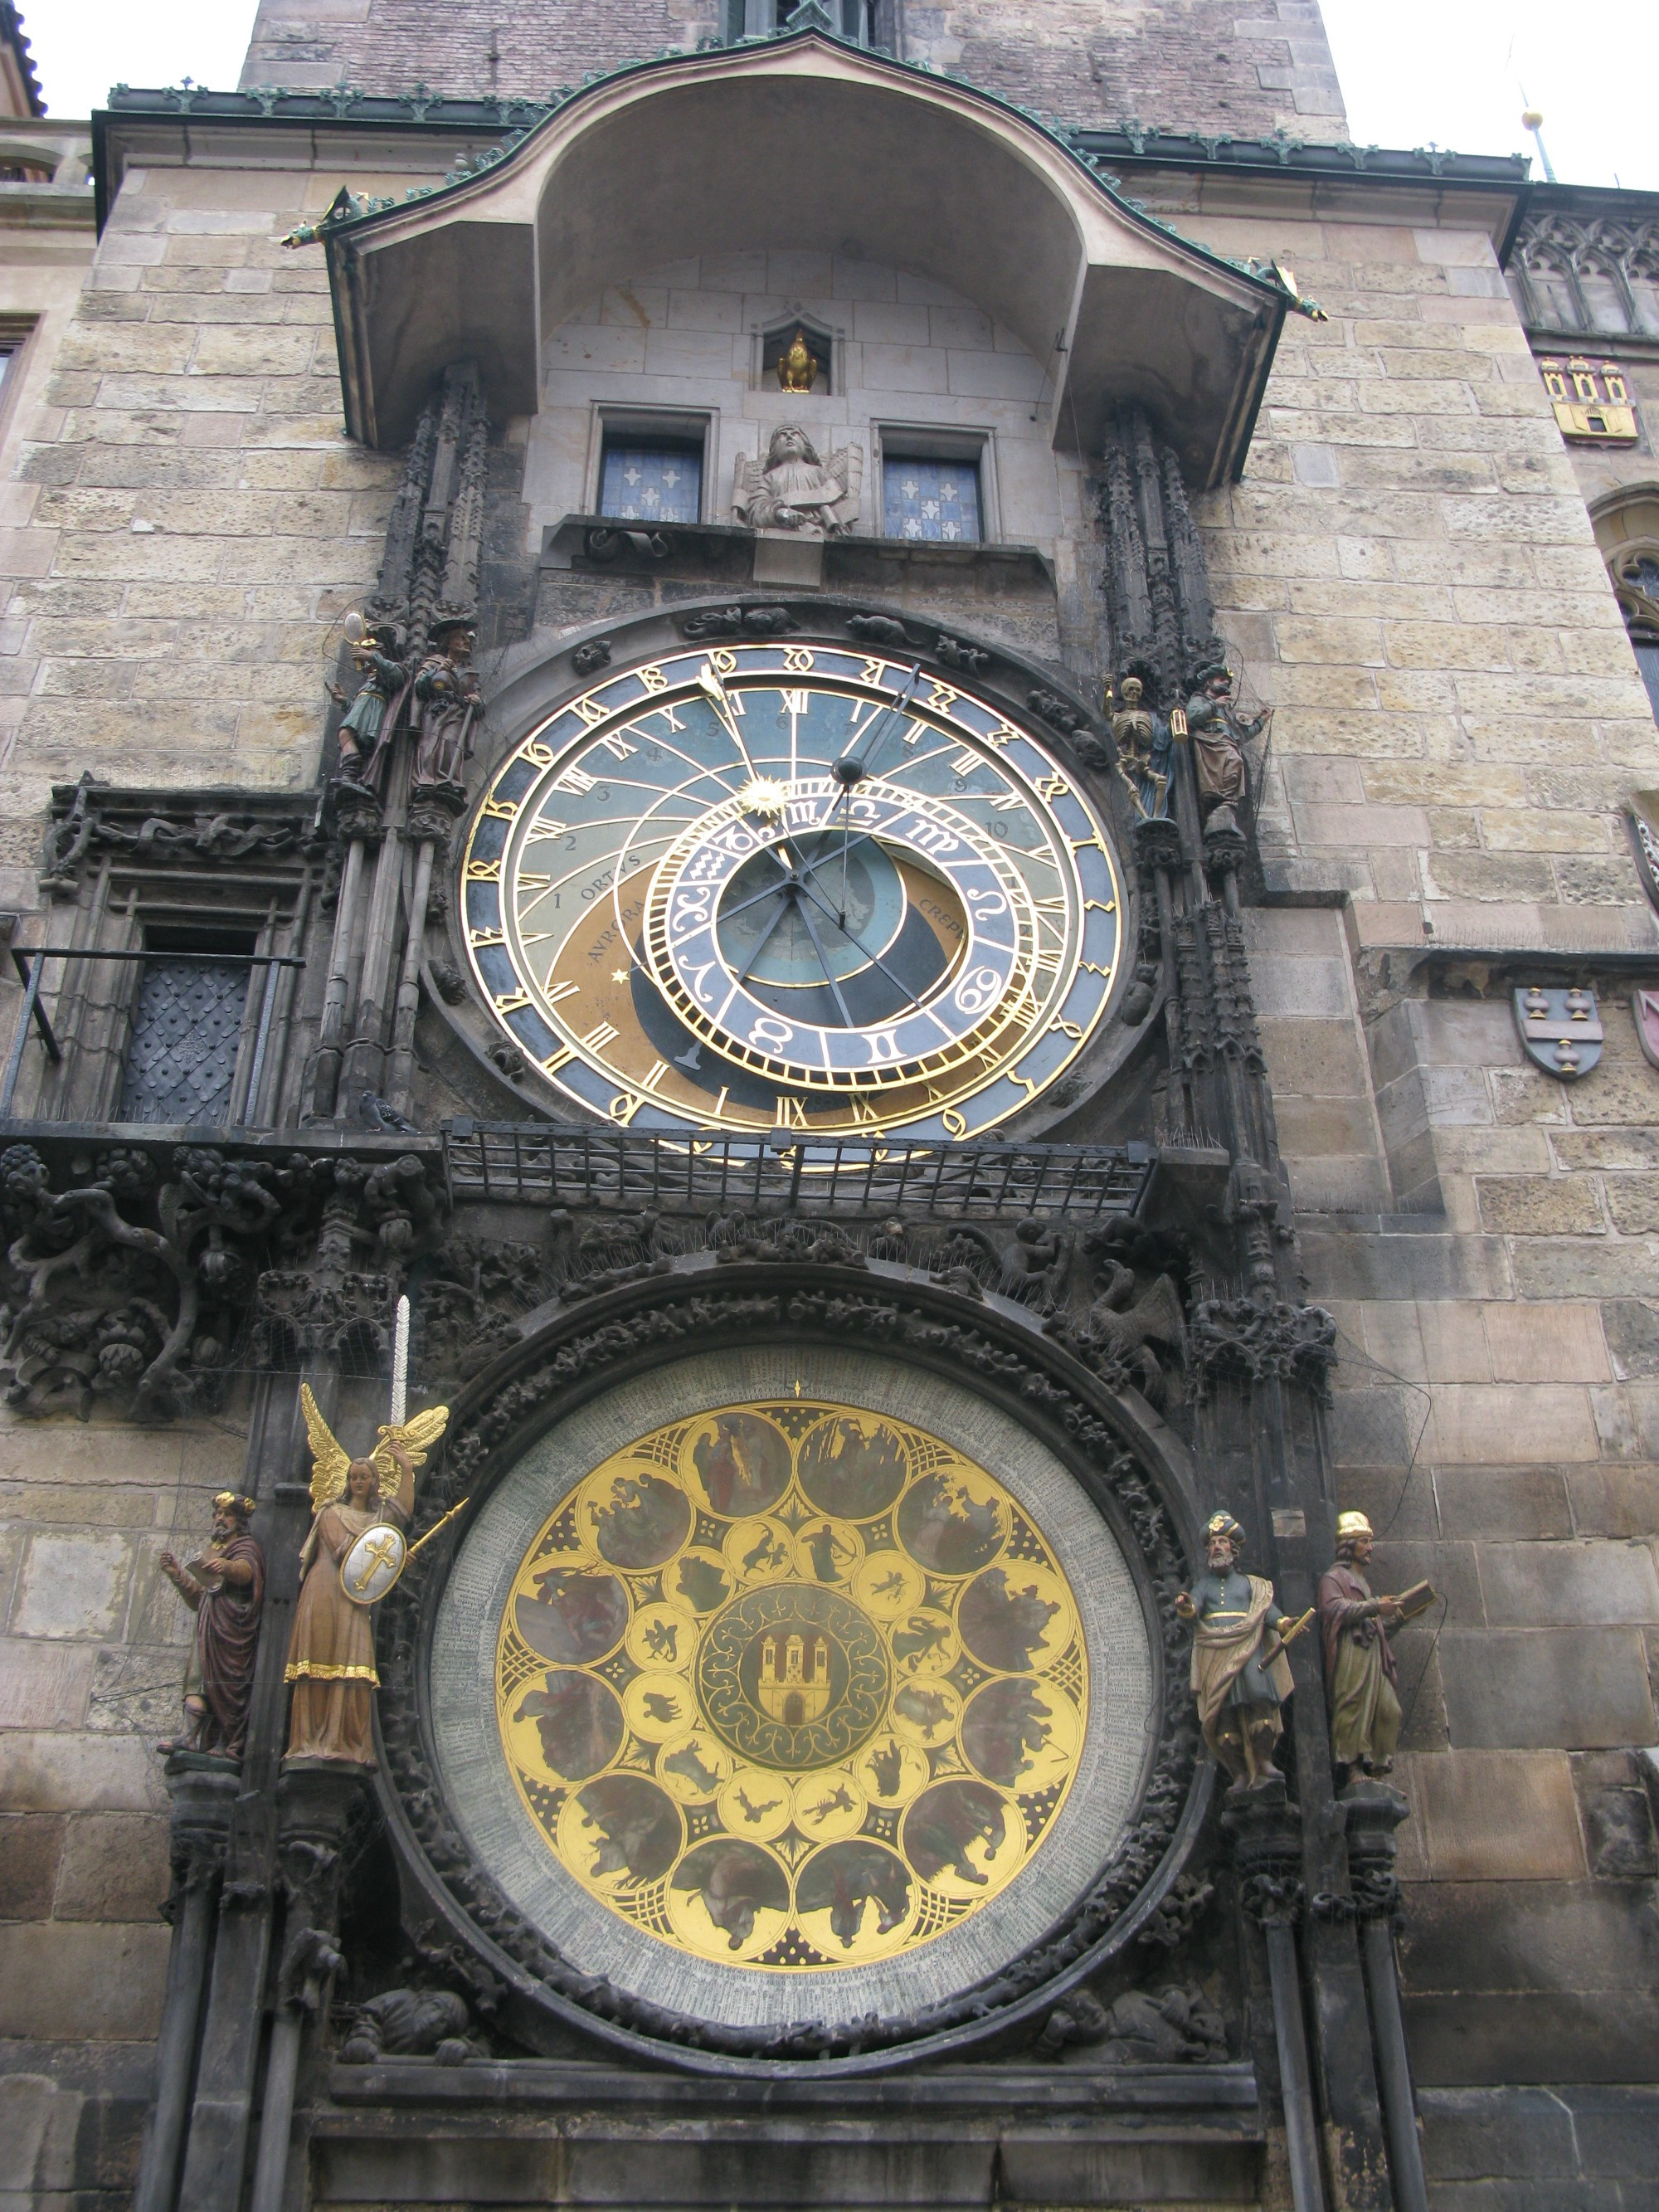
[
  {"x": 793, "y": 489},
  {"x": 1145, "y": 755}
]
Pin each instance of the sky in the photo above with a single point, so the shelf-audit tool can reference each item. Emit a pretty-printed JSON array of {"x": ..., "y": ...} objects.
[{"x": 1415, "y": 72}]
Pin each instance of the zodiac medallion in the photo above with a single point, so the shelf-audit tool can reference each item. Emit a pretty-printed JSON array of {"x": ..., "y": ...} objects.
[{"x": 791, "y": 1686}]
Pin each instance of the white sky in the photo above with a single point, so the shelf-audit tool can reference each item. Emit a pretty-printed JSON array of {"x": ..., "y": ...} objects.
[{"x": 1414, "y": 71}]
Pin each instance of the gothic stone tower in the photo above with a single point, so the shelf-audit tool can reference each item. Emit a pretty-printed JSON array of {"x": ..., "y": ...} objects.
[
  {"x": 890, "y": 747},
  {"x": 1173, "y": 63}
]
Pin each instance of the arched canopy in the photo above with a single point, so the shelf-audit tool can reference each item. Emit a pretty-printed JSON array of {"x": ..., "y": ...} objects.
[{"x": 805, "y": 144}]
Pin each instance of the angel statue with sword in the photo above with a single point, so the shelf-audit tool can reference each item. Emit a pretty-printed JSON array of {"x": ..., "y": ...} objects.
[{"x": 355, "y": 1552}]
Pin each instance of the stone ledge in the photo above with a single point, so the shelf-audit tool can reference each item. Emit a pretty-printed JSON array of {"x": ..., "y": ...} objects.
[
  {"x": 724, "y": 552},
  {"x": 985, "y": 2097}
]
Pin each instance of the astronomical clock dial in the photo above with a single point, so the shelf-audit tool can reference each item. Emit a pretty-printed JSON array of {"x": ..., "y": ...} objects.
[{"x": 791, "y": 886}]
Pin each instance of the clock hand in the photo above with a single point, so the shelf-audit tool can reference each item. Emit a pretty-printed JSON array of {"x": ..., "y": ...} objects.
[
  {"x": 872, "y": 733},
  {"x": 711, "y": 688},
  {"x": 874, "y": 959},
  {"x": 784, "y": 895},
  {"x": 730, "y": 913},
  {"x": 823, "y": 963}
]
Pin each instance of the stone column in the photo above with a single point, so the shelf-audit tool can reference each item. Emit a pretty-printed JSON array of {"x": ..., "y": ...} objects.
[
  {"x": 1373, "y": 1813},
  {"x": 204, "y": 1790},
  {"x": 1265, "y": 1830},
  {"x": 316, "y": 1800}
]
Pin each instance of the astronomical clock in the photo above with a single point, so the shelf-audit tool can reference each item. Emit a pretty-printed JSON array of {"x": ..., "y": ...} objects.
[
  {"x": 799, "y": 1672},
  {"x": 792, "y": 884}
]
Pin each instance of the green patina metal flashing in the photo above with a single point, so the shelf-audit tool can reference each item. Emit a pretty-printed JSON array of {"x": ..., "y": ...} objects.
[{"x": 351, "y": 211}]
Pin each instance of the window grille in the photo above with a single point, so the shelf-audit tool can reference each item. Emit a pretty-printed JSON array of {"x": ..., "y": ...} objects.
[
  {"x": 642, "y": 481},
  {"x": 931, "y": 500},
  {"x": 186, "y": 1027}
]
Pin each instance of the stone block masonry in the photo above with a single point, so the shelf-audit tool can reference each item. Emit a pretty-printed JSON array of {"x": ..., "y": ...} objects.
[
  {"x": 93, "y": 1647},
  {"x": 1198, "y": 65},
  {"x": 192, "y": 516}
]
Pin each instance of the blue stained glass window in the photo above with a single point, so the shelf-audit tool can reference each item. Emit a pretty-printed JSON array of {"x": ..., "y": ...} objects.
[
  {"x": 651, "y": 483},
  {"x": 931, "y": 499}
]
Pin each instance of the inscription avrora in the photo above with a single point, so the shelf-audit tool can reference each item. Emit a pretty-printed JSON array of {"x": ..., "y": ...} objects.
[{"x": 791, "y": 1686}]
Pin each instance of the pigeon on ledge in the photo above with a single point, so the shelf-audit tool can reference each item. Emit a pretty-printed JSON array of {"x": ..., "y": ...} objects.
[{"x": 379, "y": 1114}]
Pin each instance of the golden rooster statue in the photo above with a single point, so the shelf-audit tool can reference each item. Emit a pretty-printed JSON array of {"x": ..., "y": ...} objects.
[{"x": 798, "y": 366}]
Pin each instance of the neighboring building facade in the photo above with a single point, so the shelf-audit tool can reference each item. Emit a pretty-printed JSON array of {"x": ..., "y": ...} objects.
[{"x": 577, "y": 757}]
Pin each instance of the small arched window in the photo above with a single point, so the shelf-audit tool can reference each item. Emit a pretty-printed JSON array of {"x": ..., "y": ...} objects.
[{"x": 857, "y": 20}]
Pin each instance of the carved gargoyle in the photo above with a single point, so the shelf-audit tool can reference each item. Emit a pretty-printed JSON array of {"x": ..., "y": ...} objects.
[
  {"x": 1135, "y": 1328},
  {"x": 409, "y": 2024}
]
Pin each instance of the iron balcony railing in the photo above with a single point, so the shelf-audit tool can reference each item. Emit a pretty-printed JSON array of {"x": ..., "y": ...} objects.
[{"x": 547, "y": 1163}]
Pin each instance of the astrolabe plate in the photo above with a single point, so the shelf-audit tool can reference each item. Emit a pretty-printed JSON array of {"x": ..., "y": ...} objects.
[
  {"x": 373, "y": 1563},
  {"x": 792, "y": 1686}
]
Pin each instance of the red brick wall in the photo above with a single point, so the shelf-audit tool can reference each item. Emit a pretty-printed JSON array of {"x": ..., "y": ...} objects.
[{"x": 1177, "y": 62}]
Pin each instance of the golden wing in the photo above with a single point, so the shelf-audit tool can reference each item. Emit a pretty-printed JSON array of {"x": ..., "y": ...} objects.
[
  {"x": 416, "y": 1436},
  {"x": 329, "y": 1461}
]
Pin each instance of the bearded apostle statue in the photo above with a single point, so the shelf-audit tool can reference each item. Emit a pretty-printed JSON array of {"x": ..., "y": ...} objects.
[
  {"x": 224, "y": 1586},
  {"x": 1241, "y": 1676},
  {"x": 353, "y": 1555}
]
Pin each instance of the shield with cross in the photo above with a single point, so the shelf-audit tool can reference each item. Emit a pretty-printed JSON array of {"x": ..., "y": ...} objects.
[
  {"x": 1560, "y": 1029},
  {"x": 373, "y": 1563}
]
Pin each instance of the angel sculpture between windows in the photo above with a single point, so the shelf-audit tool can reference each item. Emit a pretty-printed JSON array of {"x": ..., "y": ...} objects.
[
  {"x": 793, "y": 489},
  {"x": 331, "y": 1653}
]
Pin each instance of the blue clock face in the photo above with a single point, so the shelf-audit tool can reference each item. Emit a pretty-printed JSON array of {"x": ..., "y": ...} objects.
[{"x": 784, "y": 886}]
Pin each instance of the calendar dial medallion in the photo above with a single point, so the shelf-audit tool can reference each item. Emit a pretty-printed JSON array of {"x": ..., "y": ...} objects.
[{"x": 791, "y": 886}]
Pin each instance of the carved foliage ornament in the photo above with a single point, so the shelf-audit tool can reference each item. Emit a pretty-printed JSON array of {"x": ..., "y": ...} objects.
[{"x": 134, "y": 1277}]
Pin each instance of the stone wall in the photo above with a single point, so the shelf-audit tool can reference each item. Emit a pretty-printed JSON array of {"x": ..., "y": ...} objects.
[
  {"x": 521, "y": 47},
  {"x": 41, "y": 269},
  {"x": 93, "y": 1646},
  {"x": 189, "y": 516},
  {"x": 1177, "y": 62},
  {"x": 1409, "y": 576}
]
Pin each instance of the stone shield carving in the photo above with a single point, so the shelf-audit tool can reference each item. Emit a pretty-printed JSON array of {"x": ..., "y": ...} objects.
[{"x": 1560, "y": 1030}]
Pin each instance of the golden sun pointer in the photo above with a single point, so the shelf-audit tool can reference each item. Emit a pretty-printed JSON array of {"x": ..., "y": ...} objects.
[{"x": 763, "y": 795}]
